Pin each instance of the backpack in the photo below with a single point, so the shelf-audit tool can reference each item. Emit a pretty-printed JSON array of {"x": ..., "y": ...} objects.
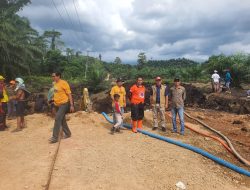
[{"x": 26, "y": 94}]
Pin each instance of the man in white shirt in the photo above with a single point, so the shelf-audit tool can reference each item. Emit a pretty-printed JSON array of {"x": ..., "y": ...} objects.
[{"x": 216, "y": 81}]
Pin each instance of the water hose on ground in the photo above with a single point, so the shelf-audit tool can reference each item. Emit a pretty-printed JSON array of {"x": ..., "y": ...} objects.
[
  {"x": 189, "y": 147},
  {"x": 206, "y": 135},
  {"x": 243, "y": 160}
]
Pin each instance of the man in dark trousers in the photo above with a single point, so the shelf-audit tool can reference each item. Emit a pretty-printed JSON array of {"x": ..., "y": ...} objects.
[
  {"x": 64, "y": 103},
  {"x": 137, "y": 98}
]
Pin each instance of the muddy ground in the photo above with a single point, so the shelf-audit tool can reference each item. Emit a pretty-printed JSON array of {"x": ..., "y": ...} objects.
[
  {"x": 94, "y": 159},
  {"x": 198, "y": 96}
]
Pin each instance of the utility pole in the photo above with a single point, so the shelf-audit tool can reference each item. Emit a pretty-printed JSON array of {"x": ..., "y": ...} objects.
[{"x": 86, "y": 65}]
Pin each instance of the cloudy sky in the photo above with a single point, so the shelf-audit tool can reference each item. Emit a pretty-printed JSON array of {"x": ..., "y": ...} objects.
[{"x": 163, "y": 29}]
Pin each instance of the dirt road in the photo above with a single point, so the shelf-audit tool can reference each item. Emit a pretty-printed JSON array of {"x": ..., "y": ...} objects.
[{"x": 95, "y": 159}]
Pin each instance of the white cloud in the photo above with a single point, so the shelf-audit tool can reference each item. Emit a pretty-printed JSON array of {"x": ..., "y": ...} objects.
[
  {"x": 161, "y": 28},
  {"x": 234, "y": 47}
]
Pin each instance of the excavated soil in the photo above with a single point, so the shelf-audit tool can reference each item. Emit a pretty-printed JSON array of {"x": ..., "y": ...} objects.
[
  {"x": 94, "y": 159},
  {"x": 198, "y": 96}
]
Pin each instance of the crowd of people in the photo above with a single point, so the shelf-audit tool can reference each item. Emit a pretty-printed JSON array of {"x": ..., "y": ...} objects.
[
  {"x": 13, "y": 98},
  {"x": 160, "y": 95}
]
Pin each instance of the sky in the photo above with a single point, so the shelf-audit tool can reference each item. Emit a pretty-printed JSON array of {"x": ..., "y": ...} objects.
[{"x": 163, "y": 29}]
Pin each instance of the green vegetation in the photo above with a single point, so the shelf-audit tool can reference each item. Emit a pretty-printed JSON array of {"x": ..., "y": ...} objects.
[{"x": 26, "y": 53}]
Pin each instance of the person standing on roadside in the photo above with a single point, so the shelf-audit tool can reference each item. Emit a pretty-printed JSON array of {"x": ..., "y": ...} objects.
[
  {"x": 159, "y": 103},
  {"x": 137, "y": 98},
  {"x": 118, "y": 115},
  {"x": 20, "y": 103},
  {"x": 3, "y": 103},
  {"x": 178, "y": 96},
  {"x": 216, "y": 81},
  {"x": 118, "y": 89},
  {"x": 63, "y": 102}
]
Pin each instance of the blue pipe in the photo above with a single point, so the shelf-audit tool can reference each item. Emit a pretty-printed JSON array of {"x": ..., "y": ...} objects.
[{"x": 189, "y": 147}]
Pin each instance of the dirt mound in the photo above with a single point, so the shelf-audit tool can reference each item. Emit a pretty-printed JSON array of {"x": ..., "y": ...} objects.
[
  {"x": 195, "y": 96},
  {"x": 229, "y": 103},
  {"x": 102, "y": 102}
]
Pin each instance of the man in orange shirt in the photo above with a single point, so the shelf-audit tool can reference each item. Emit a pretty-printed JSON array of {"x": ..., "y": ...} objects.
[
  {"x": 63, "y": 102},
  {"x": 137, "y": 97}
]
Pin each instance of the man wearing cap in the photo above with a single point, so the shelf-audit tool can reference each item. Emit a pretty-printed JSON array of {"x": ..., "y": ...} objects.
[
  {"x": 3, "y": 103},
  {"x": 216, "y": 81},
  {"x": 119, "y": 89},
  {"x": 178, "y": 96},
  {"x": 159, "y": 102}
]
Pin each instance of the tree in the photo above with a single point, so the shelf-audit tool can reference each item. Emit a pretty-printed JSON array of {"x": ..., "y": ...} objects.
[
  {"x": 54, "y": 36},
  {"x": 69, "y": 53},
  {"x": 78, "y": 53},
  {"x": 54, "y": 61},
  {"x": 18, "y": 41},
  {"x": 117, "y": 60},
  {"x": 142, "y": 60}
]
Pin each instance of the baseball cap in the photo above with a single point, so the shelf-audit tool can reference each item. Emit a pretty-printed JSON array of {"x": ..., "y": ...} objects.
[
  {"x": 157, "y": 78},
  {"x": 176, "y": 79},
  {"x": 215, "y": 71}
]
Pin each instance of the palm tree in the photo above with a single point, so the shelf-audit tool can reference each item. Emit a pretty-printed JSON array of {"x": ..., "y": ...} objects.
[
  {"x": 54, "y": 36},
  {"x": 17, "y": 40}
]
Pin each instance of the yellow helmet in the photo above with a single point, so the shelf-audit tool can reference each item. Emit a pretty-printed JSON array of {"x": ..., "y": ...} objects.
[{"x": 1, "y": 77}]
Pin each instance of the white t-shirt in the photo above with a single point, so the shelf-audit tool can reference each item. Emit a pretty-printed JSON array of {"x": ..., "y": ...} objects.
[{"x": 215, "y": 77}]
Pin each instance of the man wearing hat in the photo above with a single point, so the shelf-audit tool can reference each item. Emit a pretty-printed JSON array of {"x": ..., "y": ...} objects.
[
  {"x": 178, "y": 96},
  {"x": 159, "y": 102},
  {"x": 119, "y": 89},
  {"x": 3, "y": 103},
  {"x": 216, "y": 81}
]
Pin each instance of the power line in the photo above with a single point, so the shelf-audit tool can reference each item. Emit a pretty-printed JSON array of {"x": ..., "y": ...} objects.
[
  {"x": 58, "y": 12},
  {"x": 71, "y": 22},
  {"x": 78, "y": 16},
  {"x": 64, "y": 22}
]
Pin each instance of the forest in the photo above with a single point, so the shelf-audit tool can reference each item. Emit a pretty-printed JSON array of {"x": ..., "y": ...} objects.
[{"x": 24, "y": 52}]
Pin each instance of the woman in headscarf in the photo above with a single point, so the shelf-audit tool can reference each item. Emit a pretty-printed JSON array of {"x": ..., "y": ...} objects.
[{"x": 20, "y": 106}]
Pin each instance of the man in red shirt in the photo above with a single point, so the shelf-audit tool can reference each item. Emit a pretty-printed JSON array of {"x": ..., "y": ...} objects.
[{"x": 137, "y": 97}]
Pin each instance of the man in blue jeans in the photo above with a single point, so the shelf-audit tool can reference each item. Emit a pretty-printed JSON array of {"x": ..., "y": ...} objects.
[
  {"x": 178, "y": 96},
  {"x": 228, "y": 80}
]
